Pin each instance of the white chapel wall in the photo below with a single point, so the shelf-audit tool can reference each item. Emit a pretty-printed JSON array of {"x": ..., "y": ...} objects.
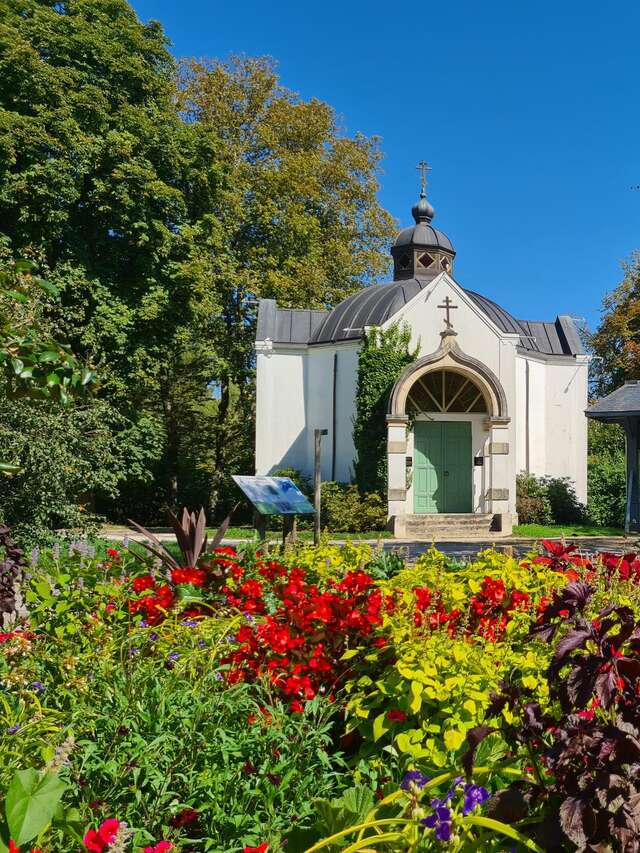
[{"x": 281, "y": 439}]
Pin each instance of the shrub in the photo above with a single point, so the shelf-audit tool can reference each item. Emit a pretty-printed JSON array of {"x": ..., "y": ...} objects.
[
  {"x": 607, "y": 474},
  {"x": 607, "y": 491},
  {"x": 346, "y": 510},
  {"x": 532, "y": 500},
  {"x": 565, "y": 506}
]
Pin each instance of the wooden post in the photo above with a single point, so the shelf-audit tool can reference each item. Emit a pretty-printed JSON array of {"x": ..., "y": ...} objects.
[
  {"x": 260, "y": 524},
  {"x": 317, "y": 483},
  {"x": 288, "y": 529}
]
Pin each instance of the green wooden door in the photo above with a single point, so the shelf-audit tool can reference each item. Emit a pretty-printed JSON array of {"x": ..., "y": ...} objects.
[{"x": 442, "y": 467}]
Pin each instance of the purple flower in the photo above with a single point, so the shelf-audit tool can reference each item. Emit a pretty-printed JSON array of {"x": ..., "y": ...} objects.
[
  {"x": 144, "y": 623},
  {"x": 133, "y": 651},
  {"x": 174, "y": 656},
  {"x": 13, "y": 729},
  {"x": 440, "y": 820},
  {"x": 153, "y": 637},
  {"x": 38, "y": 686},
  {"x": 202, "y": 644},
  {"x": 189, "y": 623},
  {"x": 414, "y": 777},
  {"x": 231, "y": 638},
  {"x": 474, "y": 796},
  {"x": 218, "y": 676},
  {"x": 450, "y": 793},
  {"x": 248, "y": 617}
]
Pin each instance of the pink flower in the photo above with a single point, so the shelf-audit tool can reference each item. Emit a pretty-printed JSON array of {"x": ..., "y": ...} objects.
[{"x": 96, "y": 840}]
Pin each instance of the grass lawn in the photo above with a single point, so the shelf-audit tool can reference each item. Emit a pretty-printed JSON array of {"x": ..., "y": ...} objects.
[
  {"x": 553, "y": 531},
  {"x": 305, "y": 535}
]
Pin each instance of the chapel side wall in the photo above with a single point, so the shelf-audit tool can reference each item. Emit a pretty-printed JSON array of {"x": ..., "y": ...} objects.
[
  {"x": 319, "y": 382},
  {"x": 566, "y": 438},
  {"x": 280, "y": 410}
]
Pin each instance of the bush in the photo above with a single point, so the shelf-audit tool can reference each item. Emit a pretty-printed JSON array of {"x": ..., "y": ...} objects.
[
  {"x": 344, "y": 509},
  {"x": 547, "y": 500},
  {"x": 565, "y": 506},
  {"x": 606, "y": 475},
  {"x": 532, "y": 500}
]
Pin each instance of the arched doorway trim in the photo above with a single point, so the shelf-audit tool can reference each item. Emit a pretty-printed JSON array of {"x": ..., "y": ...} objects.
[{"x": 454, "y": 359}]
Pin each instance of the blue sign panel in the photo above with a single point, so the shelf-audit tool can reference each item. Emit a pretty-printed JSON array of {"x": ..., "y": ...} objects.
[{"x": 274, "y": 495}]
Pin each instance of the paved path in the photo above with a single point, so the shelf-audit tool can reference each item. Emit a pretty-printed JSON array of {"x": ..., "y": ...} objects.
[{"x": 461, "y": 548}]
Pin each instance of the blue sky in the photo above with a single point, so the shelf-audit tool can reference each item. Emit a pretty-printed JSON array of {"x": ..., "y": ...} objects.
[{"x": 528, "y": 113}]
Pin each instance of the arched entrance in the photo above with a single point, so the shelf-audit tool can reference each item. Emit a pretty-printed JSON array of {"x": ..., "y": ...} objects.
[
  {"x": 448, "y": 446},
  {"x": 447, "y": 409}
]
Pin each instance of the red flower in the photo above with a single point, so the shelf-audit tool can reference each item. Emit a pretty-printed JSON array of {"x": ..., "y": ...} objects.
[
  {"x": 184, "y": 817},
  {"x": 113, "y": 552},
  {"x": 160, "y": 847},
  {"x": 395, "y": 715},
  {"x": 262, "y": 848},
  {"x": 195, "y": 577},
  {"x": 296, "y": 706},
  {"x": 97, "y": 840},
  {"x": 143, "y": 582}
]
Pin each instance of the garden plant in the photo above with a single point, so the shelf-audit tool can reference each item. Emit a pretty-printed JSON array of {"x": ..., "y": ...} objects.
[{"x": 328, "y": 698}]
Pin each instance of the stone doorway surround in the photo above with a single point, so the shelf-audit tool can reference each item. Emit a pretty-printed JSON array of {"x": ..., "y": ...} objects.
[{"x": 495, "y": 500}]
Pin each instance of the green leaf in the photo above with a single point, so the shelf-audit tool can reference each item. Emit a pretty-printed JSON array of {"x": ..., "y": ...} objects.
[
  {"x": 31, "y": 802},
  {"x": 380, "y": 725},
  {"x": 49, "y": 355}
]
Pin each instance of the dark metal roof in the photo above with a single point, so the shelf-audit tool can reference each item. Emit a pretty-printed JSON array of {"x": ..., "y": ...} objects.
[
  {"x": 425, "y": 236},
  {"x": 374, "y": 305},
  {"x": 287, "y": 325},
  {"x": 622, "y": 403}
]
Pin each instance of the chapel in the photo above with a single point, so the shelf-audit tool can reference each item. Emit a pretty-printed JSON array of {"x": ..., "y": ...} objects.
[{"x": 488, "y": 396}]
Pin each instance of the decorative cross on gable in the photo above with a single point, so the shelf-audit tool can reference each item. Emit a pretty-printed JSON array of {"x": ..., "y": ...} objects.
[{"x": 448, "y": 307}]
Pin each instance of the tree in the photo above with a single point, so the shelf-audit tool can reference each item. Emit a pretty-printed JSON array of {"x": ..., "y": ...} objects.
[
  {"x": 298, "y": 208},
  {"x": 162, "y": 212},
  {"x": 616, "y": 345},
  {"x": 105, "y": 186},
  {"x": 616, "y": 342}
]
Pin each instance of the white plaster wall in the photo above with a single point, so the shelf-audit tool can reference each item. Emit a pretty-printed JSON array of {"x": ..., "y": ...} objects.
[
  {"x": 281, "y": 437},
  {"x": 566, "y": 437},
  {"x": 294, "y": 396},
  {"x": 557, "y": 440}
]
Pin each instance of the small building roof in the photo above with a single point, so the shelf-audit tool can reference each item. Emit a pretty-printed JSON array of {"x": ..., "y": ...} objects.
[
  {"x": 374, "y": 305},
  {"x": 622, "y": 403}
]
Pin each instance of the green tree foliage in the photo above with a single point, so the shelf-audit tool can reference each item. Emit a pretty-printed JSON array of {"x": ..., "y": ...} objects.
[
  {"x": 161, "y": 212},
  {"x": 606, "y": 473},
  {"x": 383, "y": 357},
  {"x": 616, "y": 342},
  {"x": 298, "y": 208},
  {"x": 616, "y": 345}
]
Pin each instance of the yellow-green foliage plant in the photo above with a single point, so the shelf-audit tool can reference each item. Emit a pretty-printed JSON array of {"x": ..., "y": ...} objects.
[
  {"x": 430, "y": 679},
  {"x": 329, "y": 561}
]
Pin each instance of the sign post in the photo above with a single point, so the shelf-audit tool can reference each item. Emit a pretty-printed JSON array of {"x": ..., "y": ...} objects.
[{"x": 317, "y": 483}]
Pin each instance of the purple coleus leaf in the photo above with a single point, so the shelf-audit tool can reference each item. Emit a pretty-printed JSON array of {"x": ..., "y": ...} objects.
[{"x": 577, "y": 819}]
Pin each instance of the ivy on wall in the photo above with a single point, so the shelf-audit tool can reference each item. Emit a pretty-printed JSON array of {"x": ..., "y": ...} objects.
[{"x": 383, "y": 357}]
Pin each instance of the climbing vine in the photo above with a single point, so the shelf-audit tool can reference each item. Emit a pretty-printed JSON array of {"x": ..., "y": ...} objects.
[{"x": 383, "y": 357}]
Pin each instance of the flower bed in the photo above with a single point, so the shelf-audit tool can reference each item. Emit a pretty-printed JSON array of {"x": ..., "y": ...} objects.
[{"x": 319, "y": 698}]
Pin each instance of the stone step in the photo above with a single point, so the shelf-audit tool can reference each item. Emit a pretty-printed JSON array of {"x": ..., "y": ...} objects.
[{"x": 451, "y": 524}]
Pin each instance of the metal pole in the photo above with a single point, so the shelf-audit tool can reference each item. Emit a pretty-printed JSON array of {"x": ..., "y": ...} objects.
[{"x": 317, "y": 483}]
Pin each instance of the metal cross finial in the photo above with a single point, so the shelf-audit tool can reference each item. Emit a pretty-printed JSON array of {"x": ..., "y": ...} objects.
[
  {"x": 448, "y": 306},
  {"x": 423, "y": 168}
]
